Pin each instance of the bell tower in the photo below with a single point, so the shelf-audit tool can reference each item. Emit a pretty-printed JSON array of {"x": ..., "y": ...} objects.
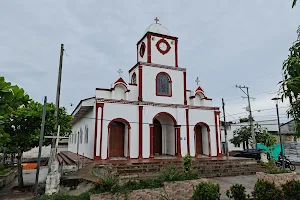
[{"x": 157, "y": 46}]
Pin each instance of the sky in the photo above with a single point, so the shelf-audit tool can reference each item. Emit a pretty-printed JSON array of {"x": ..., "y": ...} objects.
[{"x": 223, "y": 42}]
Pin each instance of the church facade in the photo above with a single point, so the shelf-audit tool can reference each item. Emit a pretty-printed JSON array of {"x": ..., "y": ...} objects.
[{"x": 150, "y": 116}]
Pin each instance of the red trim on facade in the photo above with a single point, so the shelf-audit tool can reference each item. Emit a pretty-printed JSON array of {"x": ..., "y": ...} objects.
[
  {"x": 184, "y": 88},
  {"x": 177, "y": 136},
  {"x": 165, "y": 113},
  {"x": 208, "y": 134},
  {"x": 157, "y": 66},
  {"x": 151, "y": 126},
  {"x": 162, "y": 40},
  {"x": 132, "y": 84},
  {"x": 165, "y": 95},
  {"x": 176, "y": 53},
  {"x": 149, "y": 48},
  {"x": 140, "y": 85},
  {"x": 199, "y": 89},
  {"x": 140, "y": 131},
  {"x": 187, "y": 130},
  {"x": 132, "y": 68},
  {"x": 217, "y": 114},
  {"x": 157, "y": 35},
  {"x": 120, "y": 80},
  {"x": 148, "y": 103},
  {"x": 142, "y": 51},
  {"x": 128, "y": 131}
]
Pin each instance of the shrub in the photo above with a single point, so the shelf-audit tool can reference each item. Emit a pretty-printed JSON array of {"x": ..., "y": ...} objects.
[
  {"x": 107, "y": 184},
  {"x": 271, "y": 168},
  {"x": 187, "y": 163},
  {"x": 207, "y": 191},
  {"x": 266, "y": 191},
  {"x": 171, "y": 173},
  {"x": 237, "y": 192},
  {"x": 291, "y": 190}
]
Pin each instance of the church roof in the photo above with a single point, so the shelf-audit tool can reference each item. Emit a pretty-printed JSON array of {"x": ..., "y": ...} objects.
[
  {"x": 120, "y": 80},
  {"x": 157, "y": 28},
  {"x": 199, "y": 89}
]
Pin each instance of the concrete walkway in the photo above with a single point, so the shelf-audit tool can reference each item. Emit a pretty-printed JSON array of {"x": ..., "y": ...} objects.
[{"x": 29, "y": 180}]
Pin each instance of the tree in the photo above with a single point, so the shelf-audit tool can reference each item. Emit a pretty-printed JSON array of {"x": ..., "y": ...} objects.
[
  {"x": 291, "y": 84},
  {"x": 11, "y": 97},
  {"x": 243, "y": 136},
  {"x": 24, "y": 129}
]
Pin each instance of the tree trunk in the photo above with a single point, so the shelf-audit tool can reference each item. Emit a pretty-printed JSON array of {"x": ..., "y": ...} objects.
[{"x": 20, "y": 169}]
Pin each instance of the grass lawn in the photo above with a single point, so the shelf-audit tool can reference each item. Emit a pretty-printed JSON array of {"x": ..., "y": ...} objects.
[{"x": 4, "y": 171}]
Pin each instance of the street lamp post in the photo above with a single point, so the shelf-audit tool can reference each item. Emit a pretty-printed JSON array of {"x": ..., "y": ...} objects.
[{"x": 276, "y": 99}]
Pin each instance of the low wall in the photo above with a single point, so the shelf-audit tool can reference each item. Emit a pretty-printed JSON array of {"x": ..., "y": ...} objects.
[
  {"x": 7, "y": 178},
  {"x": 278, "y": 179}
]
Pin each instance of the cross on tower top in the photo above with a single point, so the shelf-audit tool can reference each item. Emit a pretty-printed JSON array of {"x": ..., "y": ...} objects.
[
  {"x": 156, "y": 20},
  {"x": 120, "y": 72},
  {"x": 197, "y": 80}
]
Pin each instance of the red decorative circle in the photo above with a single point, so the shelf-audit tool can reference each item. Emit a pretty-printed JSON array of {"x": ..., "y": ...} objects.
[
  {"x": 142, "y": 49},
  {"x": 166, "y": 43}
]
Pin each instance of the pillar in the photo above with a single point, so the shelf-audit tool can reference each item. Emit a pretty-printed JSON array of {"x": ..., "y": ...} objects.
[{"x": 151, "y": 140}]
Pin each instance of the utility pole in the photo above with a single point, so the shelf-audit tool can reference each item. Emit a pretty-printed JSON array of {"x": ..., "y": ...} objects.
[
  {"x": 40, "y": 148},
  {"x": 225, "y": 130},
  {"x": 250, "y": 112},
  {"x": 52, "y": 156}
]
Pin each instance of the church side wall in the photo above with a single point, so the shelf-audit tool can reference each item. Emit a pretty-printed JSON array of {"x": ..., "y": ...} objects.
[
  {"x": 208, "y": 117},
  {"x": 127, "y": 112},
  {"x": 86, "y": 149},
  {"x": 149, "y": 85}
]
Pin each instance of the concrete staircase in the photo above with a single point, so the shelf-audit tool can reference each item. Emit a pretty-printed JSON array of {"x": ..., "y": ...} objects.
[{"x": 205, "y": 167}]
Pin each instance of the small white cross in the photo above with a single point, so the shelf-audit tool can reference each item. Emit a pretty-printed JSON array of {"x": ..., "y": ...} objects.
[
  {"x": 120, "y": 72},
  {"x": 197, "y": 80},
  {"x": 156, "y": 19}
]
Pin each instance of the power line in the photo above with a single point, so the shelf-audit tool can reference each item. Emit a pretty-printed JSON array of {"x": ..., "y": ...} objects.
[{"x": 259, "y": 110}]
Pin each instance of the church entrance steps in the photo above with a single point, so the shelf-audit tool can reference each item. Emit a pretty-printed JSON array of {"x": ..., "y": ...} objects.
[{"x": 151, "y": 168}]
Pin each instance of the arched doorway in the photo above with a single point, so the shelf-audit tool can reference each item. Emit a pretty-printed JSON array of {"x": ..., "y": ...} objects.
[
  {"x": 202, "y": 140},
  {"x": 157, "y": 138},
  {"x": 164, "y": 136},
  {"x": 118, "y": 139}
]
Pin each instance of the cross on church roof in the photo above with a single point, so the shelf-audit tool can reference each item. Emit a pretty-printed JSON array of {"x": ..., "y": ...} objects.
[
  {"x": 120, "y": 72},
  {"x": 156, "y": 20},
  {"x": 197, "y": 80}
]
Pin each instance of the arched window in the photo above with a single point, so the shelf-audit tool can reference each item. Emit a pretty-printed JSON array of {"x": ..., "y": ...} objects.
[
  {"x": 163, "y": 84},
  {"x": 86, "y": 138},
  {"x": 133, "y": 78}
]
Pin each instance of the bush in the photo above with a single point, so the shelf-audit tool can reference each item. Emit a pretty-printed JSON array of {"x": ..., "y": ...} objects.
[
  {"x": 107, "y": 184},
  {"x": 207, "y": 191},
  {"x": 291, "y": 190},
  {"x": 187, "y": 163},
  {"x": 237, "y": 192},
  {"x": 171, "y": 173},
  {"x": 271, "y": 168},
  {"x": 264, "y": 190}
]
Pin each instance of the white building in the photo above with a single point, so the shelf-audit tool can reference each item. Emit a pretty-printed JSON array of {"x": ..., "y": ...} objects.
[{"x": 151, "y": 115}]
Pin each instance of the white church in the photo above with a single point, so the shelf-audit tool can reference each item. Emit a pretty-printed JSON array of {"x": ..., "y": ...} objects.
[{"x": 152, "y": 115}]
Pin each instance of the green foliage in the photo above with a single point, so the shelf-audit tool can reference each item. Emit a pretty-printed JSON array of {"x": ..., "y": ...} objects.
[
  {"x": 271, "y": 168},
  {"x": 207, "y": 191},
  {"x": 171, "y": 173},
  {"x": 291, "y": 83},
  {"x": 243, "y": 135},
  {"x": 244, "y": 120},
  {"x": 83, "y": 196},
  {"x": 291, "y": 190},
  {"x": 187, "y": 163},
  {"x": 237, "y": 192},
  {"x": 107, "y": 184},
  {"x": 264, "y": 190},
  {"x": 11, "y": 97}
]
